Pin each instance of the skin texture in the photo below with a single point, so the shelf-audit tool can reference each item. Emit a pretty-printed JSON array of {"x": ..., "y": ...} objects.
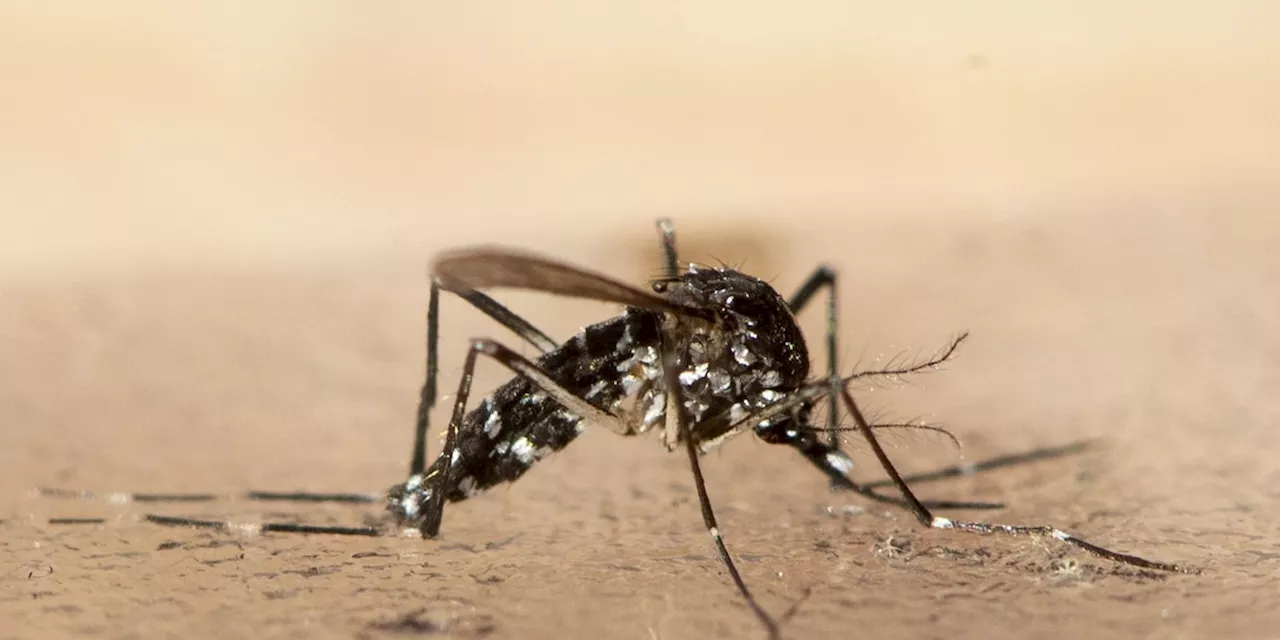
[
  {"x": 118, "y": 385},
  {"x": 212, "y": 278}
]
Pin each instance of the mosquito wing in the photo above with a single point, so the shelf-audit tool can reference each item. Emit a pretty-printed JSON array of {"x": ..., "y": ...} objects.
[{"x": 461, "y": 270}]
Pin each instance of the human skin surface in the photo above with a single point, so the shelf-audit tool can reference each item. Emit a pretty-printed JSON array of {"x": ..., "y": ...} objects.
[{"x": 213, "y": 278}]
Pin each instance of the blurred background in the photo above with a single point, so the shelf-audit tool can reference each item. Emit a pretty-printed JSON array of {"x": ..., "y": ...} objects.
[
  {"x": 139, "y": 133},
  {"x": 216, "y": 219}
]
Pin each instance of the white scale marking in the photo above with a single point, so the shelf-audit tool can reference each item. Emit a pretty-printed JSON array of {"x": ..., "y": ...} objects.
[
  {"x": 409, "y": 505},
  {"x": 840, "y": 461},
  {"x": 568, "y": 416},
  {"x": 647, "y": 354},
  {"x": 596, "y": 389},
  {"x": 493, "y": 425},
  {"x": 522, "y": 449},
  {"x": 720, "y": 380},
  {"x": 657, "y": 406},
  {"x": 693, "y": 375}
]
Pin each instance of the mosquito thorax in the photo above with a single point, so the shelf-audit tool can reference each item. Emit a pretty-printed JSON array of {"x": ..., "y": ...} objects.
[{"x": 752, "y": 355}]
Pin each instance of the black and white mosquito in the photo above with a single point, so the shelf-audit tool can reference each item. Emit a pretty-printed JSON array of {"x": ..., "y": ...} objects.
[{"x": 707, "y": 354}]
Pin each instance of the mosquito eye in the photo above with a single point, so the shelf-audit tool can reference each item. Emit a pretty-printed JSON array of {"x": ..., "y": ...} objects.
[{"x": 660, "y": 286}]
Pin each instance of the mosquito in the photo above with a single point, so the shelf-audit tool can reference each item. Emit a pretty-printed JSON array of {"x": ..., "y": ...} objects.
[{"x": 706, "y": 354}]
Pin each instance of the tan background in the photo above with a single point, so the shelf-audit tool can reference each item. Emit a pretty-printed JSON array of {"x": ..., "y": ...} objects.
[{"x": 216, "y": 222}]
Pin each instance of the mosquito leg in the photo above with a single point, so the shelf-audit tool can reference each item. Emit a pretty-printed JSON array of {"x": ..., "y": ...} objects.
[
  {"x": 440, "y": 477},
  {"x": 675, "y": 402},
  {"x": 277, "y": 527},
  {"x": 504, "y": 316},
  {"x": 837, "y": 465},
  {"x": 124, "y": 498},
  {"x": 283, "y": 527},
  {"x": 484, "y": 303},
  {"x": 434, "y": 507},
  {"x": 297, "y": 496},
  {"x": 427, "y": 397},
  {"x": 824, "y": 277},
  {"x": 120, "y": 498},
  {"x": 926, "y": 518},
  {"x": 834, "y": 461}
]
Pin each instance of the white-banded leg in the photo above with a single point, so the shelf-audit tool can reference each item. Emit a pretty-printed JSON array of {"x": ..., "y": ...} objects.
[
  {"x": 824, "y": 277},
  {"x": 122, "y": 498},
  {"x": 675, "y": 401},
  {"x": 827, "y": 455},
  {"x": 830, "y": 458},
  {"x": 266, "y": 527},
  {"x": 837, "y": 465},
  {"x": 925, "y": 517},
  {"x": 773, "y": 425}
]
